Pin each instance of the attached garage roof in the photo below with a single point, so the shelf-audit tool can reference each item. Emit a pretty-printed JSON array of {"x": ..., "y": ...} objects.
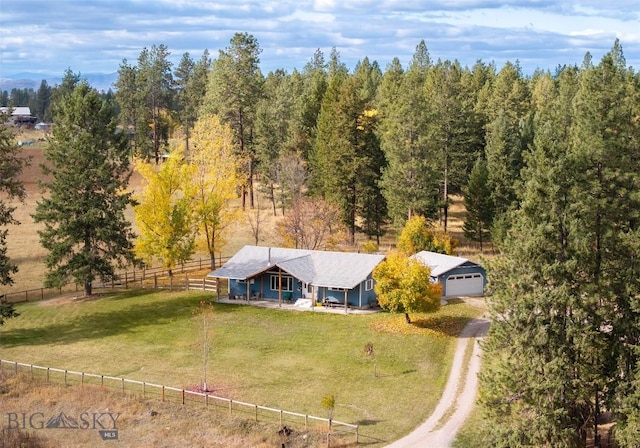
[
  {"x": 320, "y": 268},
  {"x": 440, "y": 263}
]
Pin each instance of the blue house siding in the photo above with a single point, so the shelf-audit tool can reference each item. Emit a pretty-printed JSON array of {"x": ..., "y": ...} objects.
[
  {"x": 256, "y": 271},
  {"x": 261, "y": 286}
]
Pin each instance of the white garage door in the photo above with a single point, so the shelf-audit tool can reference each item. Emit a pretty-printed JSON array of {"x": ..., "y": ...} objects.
[{"x": 465, "y": 285}]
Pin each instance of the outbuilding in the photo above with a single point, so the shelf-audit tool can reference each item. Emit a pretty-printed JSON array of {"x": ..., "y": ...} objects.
[{"x": 457, "y": 275}]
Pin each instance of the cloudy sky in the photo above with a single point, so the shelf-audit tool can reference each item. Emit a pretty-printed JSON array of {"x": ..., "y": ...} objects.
[{"x": 93, "y": 36}]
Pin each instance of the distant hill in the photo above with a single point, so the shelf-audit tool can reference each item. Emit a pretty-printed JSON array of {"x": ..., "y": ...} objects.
[{"x": 27, "y": 80}]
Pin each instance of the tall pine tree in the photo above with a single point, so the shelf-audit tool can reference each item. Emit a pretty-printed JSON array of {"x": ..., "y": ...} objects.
[
  {"x": 562, "y": 345},
  {"x": 87, "y": 167}
]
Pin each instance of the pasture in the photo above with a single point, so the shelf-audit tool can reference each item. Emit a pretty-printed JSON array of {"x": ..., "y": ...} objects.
[{"x": 283, "y": 359}]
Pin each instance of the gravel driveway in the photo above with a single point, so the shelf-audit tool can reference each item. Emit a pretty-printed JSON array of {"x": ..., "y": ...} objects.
[{"x": 435, "y": 433}]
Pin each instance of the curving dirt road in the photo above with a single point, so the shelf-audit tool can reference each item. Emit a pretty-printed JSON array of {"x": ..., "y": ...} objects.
[{"x": 434, "y": 432}]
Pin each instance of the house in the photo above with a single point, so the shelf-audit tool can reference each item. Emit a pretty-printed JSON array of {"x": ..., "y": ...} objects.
[
  {"x": 19, "y": 115},
  {"x": 458, "y": 276},
  {"x": 281, "y": 274}
]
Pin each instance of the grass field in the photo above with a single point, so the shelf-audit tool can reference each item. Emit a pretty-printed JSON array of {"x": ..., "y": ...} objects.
[{"x": 284, "y": 359}]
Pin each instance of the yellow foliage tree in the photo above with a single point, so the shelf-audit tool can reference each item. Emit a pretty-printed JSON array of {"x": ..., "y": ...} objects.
[
  {"x": 418, "y": 234},
  {"x": 403, "y": 285},
  {"x": 164, "y": 212},
  {"x": 214, "y": 182}
]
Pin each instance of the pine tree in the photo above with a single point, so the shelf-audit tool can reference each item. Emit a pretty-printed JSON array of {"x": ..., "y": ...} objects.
[
  {"x": 234, "y": 88},
  {"x": 154, "y": 83},
  {"x": 409, "y": 182},
  {"x": 447, "y": 134},
  {"x": 131, "y": 113},
  {"x": 478, "y": 205},
  {"x": 190, "y": 83},
  {"x": 11, "y": 165},
  {"x": 508, "y": 110},
  {"x": 562, "y": 345},
  {"x": 85, "y": 230},
  {"x": 348, "y": 159}
]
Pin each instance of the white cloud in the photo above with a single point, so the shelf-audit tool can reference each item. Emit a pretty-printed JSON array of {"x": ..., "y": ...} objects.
[{"x": 95, "y": 36}]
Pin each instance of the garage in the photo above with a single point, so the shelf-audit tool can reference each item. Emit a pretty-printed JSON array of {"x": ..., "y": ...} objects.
[
  {"x": 465, "y": 285},
  {"x": 458, "y": 276}
]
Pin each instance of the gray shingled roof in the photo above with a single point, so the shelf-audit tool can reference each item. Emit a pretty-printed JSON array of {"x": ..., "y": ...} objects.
[
  {"x": 439, "y": 263},
  {"x": 320, "y": 268}
]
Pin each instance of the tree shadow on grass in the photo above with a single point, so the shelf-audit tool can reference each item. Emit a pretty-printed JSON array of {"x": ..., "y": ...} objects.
[
  {"x": 445, "y": 325},
  {"x": 367, "y": 422},
  {"x": 95, "y": 324}
]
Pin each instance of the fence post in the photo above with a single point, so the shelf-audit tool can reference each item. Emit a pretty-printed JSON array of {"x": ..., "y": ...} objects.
[
  {"x": 101, "y": 380},
  {"x": 357, "y": 426},
  {"x": 65, "y": 377},
  {"x": 143, "y": 389},
  {"x": 26, "y": 296},
  {"x": 206, "y": 400},
  {"x": 186, "y": 280},
  {"x": 122, "y": 384},
  {"x": 256, "y": 409},
  {"x": 41, "y": 293},
  {"x": 183, "y": 396},
  {"x": 31, "y": 370},
  {"x": 126, "y": 281},
  {"x": 82, "y": 379},
  {"x": 280, "y": 417},
  {"x": 155, "y": 281},
  {"x": 306, "y": 421},
  {"x": 47, "y": 374},
  {"x": 230, "y": 407},
  {"x": 163, "y": 394}
]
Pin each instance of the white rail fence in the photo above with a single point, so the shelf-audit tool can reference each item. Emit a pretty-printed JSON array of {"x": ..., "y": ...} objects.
[{"x": 186, "y": 397}]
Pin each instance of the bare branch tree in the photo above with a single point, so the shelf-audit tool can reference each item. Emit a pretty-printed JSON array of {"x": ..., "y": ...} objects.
[{"x": 311, "y": 223}]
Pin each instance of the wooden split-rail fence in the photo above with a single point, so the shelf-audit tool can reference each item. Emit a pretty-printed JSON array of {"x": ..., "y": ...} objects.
[{"x": 332, "y": 428}]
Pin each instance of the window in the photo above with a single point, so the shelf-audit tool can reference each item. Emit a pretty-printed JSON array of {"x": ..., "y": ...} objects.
[
  {"x": 287, "y": 283},
  {"x": 368, "y": 286},
  {"x": 337, "y": 289}
]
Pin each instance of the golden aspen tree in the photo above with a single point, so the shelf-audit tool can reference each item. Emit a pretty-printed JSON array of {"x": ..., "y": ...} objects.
[
  {"x": 164, "y": 212},
  {"x": 214, "y": 183},
  {"x": 403, "y": 285}
]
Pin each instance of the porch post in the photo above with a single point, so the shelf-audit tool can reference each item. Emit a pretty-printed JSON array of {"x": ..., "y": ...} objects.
[
  {"x": 345, "y": 299},
  {"x": 248, "y": 289},
  {"x": 279, "y": 287}
]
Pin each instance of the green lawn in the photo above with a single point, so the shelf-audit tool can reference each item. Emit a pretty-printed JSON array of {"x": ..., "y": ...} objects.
[{"x": 277, "y": 358}]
